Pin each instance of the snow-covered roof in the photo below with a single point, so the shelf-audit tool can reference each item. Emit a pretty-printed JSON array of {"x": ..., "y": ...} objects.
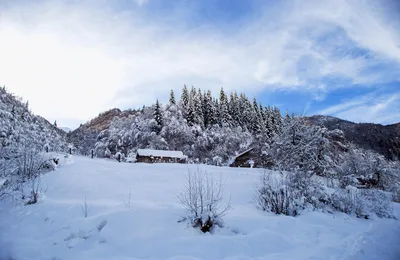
[
  {"x": 161, "y": 153},
  {"x": 244, "y": 152}
]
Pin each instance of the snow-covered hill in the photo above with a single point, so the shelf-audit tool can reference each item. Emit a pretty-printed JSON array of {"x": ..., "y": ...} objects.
[
  {"x": 20, "y": 128},
  {"x": 133, "y": 212}
]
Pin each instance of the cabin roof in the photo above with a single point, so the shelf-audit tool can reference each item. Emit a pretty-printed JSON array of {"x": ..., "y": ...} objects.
[
  {"x": 161, "y": 153},
  {"x": 244, "y": 152}
]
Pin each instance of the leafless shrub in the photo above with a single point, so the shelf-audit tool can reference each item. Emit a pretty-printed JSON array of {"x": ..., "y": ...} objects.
[
  {"x": 34, "y": 190},
  {"x": 202, "y": 199},
  {"x": 276, "y": 195}
]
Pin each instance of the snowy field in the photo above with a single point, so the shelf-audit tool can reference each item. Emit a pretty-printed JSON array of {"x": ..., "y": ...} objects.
[{"x": 136, "y": 210}]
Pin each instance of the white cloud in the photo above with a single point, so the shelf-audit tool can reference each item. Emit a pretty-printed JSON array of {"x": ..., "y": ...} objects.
[
  {"x": 73, "y": 61},
  {"x": 141, "y": 2},
  {"x": 378, "y": 108}
]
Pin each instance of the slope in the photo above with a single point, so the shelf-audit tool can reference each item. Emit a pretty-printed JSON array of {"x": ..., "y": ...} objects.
[
  {"x": 133, "y": 213},
  {"x": 21, "y": 128},
  {"x": 85, "y": 136},
  {"x": 383, "y": 139}
]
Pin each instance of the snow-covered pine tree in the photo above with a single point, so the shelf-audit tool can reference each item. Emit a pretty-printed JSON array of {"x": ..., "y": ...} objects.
[
  {"x": 190, "y": 115},
  {"x": 224, "y": 117},
  {"x": 184, "y": 98},
  {"x": 234, "y": 109},
  {"x": 192, "y": 93},
  {"x": 268, "y": 123},
  {"x": 198, "y": 109},
  {"x": 210, "y": 113},
  {"x": 158, "y": 116},
  {"x": 255, "y": 118},
  {"x": 277, "y": 120},
  {"x": 172, "y": 101}
]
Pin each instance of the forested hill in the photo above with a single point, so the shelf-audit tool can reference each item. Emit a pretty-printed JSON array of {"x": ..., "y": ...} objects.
[
  {"x": 85, "y": 136},
  {"x": 202, "y": 126},
  {"x": 383, "y": 139},
  {"x": 19, "y": 128},
  {"x": 212, "y": 129}
]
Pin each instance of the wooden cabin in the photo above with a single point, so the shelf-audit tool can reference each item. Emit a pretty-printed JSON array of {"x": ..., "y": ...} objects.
[
  {"x": 252, "y": 158},
  {"x": 245, "y": 159},
  {"x": 160, "y": 156}
]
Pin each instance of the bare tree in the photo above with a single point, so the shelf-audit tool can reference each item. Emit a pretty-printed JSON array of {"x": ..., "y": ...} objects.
[{"x": 202, "y": 198}]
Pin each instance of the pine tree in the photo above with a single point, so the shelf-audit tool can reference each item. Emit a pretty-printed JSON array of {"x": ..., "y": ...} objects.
[
  {"x": 287, "y": 116},
  {"x": 198, "y": 109},
  {"x": 209, "y": 110},
  {"x": 55, "y": 123},
  {"x": 217, "y": 112},
  {"x": 225, "y": 119},
  {"x": 193, "y": 93},
  {"x": 268, "y": 123},
  {"x": 172, "y": 101},
  {"x": 158, "y": 116},
  {"x": 262, "y": 112},
  {"x": 277, "y": 120},
  {"x": 255, "y": 118},
  {"x": 234, "y": 109},
  {"x": 255, "y": 105},
  {"x": 185, "y": 97},
  {"x": 190, "y": 115}
]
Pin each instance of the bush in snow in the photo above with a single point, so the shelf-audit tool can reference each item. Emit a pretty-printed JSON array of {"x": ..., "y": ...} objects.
[
  {"x": 291, "y": 192},
  {"x": 277, "y": 195},
  {"x": 31, "y": 166},
  {"x": 363, "y": 202},
  {"x": 21, "y": 169},
  {"x": 202, "y": 198},
  {"x": 217, "y": 161}
]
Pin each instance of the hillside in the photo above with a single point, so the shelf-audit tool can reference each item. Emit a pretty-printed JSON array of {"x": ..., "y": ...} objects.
[
  {"x": 383, "y": 139},
  {"x": 84, "y": 137},
  {"x": 19, "y": 127},
  {"x": 133, "y": 213}
]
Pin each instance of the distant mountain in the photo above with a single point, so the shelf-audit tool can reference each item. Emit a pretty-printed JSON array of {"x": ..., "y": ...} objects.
[
  {"x": 85, "y": 136},
  {"x": 66, "y": 129},
  {"x": 384, "y": 139}
]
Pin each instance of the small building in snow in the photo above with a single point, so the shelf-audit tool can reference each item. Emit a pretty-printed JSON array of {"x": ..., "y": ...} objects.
[
  {"x": 160, "y": 156},
  {"x": 244, "y": 159},
  {"x": 252, "y": 158}
]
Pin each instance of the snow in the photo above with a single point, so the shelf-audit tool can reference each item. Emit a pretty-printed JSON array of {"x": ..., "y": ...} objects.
[
  {"x": 2, "y": 181},
  {"x": 133, "y": 213},
  {"x": 161, "y": 153}
]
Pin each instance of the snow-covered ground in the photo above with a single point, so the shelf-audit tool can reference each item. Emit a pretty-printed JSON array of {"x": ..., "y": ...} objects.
[{"x": 136, "y": 210}]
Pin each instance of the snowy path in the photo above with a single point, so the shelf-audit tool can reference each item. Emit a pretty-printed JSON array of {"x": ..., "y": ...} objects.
[{"x": 146, "y": 226}]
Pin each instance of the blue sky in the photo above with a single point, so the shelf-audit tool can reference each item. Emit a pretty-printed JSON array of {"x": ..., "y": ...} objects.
[{"x": 74, "y": 59}]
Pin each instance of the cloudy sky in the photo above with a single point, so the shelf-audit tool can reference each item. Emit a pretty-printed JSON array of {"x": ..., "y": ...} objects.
[{"x": 74, "y": 59}]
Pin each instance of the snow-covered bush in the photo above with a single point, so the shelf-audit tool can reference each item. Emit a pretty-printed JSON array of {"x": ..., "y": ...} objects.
[
  {"x": 277, "y": 195},
  {"x": 362, "y": 202},
  {"x": 217, "y": 161},
  {"x": 31, "y": 165},
  {"x": 202, "y": 199},
  {"x": 119, "y": 156},
  {"x": 291, "y": 192},
  {"x": 21, "y": 168}
]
